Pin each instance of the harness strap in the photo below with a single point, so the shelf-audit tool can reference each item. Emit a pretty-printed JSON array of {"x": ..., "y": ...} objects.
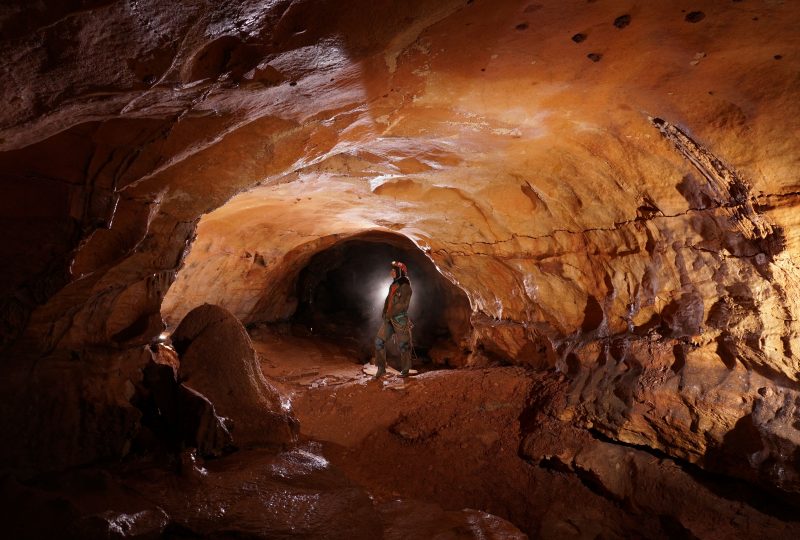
[{"x": 402, "y": 329}]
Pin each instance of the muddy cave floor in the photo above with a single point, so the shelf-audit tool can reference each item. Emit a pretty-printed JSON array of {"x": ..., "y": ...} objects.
[{"x": 469, "y": 453}]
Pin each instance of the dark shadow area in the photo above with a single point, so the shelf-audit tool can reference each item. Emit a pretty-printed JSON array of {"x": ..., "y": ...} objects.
[
  {"x": 765, "y": 499},
  {"x": 342, "y": 291}
]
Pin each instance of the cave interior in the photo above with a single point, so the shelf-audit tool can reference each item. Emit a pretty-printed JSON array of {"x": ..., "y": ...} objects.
[{"x": 597, "y": 201}]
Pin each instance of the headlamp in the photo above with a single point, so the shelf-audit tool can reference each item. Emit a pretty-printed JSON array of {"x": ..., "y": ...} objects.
[{"x": 400, "y": 266}]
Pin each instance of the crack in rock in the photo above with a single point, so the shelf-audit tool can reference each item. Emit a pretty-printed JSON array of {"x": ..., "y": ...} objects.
[{"x": 725, "y": 185}]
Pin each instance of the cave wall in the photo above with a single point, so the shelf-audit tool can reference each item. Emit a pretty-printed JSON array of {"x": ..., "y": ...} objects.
[{"x": 516, "y": 143}]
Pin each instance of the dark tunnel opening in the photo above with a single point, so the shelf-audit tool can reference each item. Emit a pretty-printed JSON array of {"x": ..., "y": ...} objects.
[{"x": 341, "y": 293}]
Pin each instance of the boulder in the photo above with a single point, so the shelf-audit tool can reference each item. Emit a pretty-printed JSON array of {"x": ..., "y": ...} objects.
[
  {"x": 174, "y": 416},
  {"x": 217, "y": 360}
]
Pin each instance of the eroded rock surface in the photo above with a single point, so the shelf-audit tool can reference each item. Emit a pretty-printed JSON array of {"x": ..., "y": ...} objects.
[
  {"x": 253, "y": 494},
  {"x": 175, "y": 417},
  {"x": 217, "y": 360},
  {"x": 499, "y": 439}
]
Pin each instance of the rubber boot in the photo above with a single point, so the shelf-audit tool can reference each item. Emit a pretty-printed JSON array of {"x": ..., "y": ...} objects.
[
  {"x": 405, "y": 361},
  {"x": 380, "y": 361}
]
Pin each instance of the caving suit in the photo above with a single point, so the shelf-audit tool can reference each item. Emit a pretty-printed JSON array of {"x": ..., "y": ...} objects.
[{"x": 395, "y": 321}]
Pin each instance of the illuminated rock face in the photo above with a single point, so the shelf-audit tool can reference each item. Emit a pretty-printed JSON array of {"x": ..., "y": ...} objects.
[{"x": 611, "y": 185}]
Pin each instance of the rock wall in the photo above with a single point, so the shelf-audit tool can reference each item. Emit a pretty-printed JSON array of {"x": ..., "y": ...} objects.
[{"x": 612, "y": 184}]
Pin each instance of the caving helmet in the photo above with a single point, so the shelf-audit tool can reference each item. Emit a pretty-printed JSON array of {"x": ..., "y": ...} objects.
[{"x": 402, "y": 269}]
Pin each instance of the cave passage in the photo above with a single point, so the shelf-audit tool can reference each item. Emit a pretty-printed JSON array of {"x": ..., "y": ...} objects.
[{"x": 342, "y": 290}]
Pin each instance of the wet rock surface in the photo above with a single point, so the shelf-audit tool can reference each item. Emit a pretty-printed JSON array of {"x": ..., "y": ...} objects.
[
  {"x": 254, "y": 495},
  {"x": 175, "y": 417},
  {"x": 217, "y": 360},
  {"x": 471, "y": 453},
  {"x": 502, "y": 440},
  {"x": 411, "y": 519},
  {"x": 258, "y": 495},
  {"x": 250, "y": 494}
]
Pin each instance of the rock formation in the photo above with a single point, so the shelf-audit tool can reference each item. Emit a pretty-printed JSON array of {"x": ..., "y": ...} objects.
[
  {"x": 217, "y": 360},
  {"x": 607, "y": 190}
]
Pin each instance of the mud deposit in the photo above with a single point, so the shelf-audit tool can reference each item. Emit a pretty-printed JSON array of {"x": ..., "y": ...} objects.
[
  {"x": 469, "y": 453},
  {"x": 492, "y": 439}
]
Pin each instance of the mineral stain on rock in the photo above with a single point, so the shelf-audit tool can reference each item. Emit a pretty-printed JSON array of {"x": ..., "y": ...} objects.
[
  {"x": 695, "y": 16},
  {"x": 622, "y": 21}
]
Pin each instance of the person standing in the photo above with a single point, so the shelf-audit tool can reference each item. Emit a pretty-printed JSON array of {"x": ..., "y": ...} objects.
[{"x": 395, "y": 321}]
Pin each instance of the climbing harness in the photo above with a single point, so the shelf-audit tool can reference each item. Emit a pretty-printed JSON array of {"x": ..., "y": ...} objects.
[{"x": 402, "y": 329}]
